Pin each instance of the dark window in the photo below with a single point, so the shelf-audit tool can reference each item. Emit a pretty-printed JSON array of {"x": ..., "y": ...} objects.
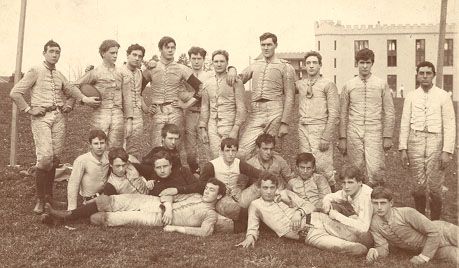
[
  {"x": 318, "y": 45},
  {"x": 358, "y": 45},
  {"x": 416, "y": 82},
  {"x": 334, "y": 79},
  {"x": 391, "y": 53},
  {"x": 335, "y": 44},
  {"x": 420, "y": 51},
  {"x": 392, "y": 82},
  {"x": 334, "y": 62},
  {"x": 448, "y": 60},
  {"x": 448, "y": 82}
]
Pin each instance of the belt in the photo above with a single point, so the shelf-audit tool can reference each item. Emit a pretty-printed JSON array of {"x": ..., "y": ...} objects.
[
  {"x": 262, "y": 100},
  {"x": 194, "y": 111},
  {"x": 304, "y": 232},
  {"x": 53, "y": 108},
  {"x": 88, "y": 198},
  {"x": 164, "y": 104}
]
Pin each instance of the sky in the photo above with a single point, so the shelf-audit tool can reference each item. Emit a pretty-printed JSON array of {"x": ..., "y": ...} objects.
[{"x": 79, "y": 26}]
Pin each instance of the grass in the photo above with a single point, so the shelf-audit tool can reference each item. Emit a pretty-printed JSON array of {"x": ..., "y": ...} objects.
[{"x": 26, "y": 242}]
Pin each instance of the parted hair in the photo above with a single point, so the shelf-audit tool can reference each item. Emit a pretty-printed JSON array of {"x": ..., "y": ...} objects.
[
  {"x": 97, "y": 133},
  {"x": 106, "y": 45},
  {"x": 425, "y": 64},
  {"x": 117, "y": 152},
  {"x": 352, "y": 172},
  {"x": 268, "y": 176},
  {"x": 164, "y": 41},
  {"x": 365, "y": 54},
  {"x": 221, "y": 52},
  {"x": 51, "y": 43},
  {"x": 305, "y": 158},
  {"x": 197, "y": 50},
  {"x": 315, "y": 54},
  {"x": 135, "y": 47},
  {"x": 268, "y": 35},
  {"x": 220, "y": 184},
  {"x": 169, "y": 128},
  {"x": 266, "y": 139},
  {"x": 229, "y": 142},
  {"x": 381, "y": 192},
  {"x": 160, "y": 155}
]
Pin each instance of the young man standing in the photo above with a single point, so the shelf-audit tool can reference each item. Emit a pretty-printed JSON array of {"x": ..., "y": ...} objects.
[
  {"x": 366, "y": 119},
  {"x": 273, "y": 92},
  {"x": 51, "y": 98},
  {"x": 268, "y": 160},
  {"x": 318, "y": 109},
  {"x": 132, "y": 83},
  {"x": 294, "y": 220},
  {"x": 89, "y": 170},
  {"x": 309, "y": 185},
  {"x": 406, "y": 228},
  {"x": 115, "y": 105},
  {"x": 223, "y": 110},
  {"x": 427, "y": 136}
]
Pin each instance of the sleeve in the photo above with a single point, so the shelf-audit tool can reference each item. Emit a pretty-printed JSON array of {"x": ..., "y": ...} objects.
[
  {"x": 388, "y": 113},
  {"x": 380, "y": 243},
  {"x": 344, "y": 112},
  {"x": 241, "y": 111},
  {"x": 207, "y": 225},
  {"x": 285, "y": 171},
  {"x": 405, "y": 123},
  {"x": 323, "y": 187},
  {"x": 250, "y": 171},
  {"x": 289, "y": 92},
  {"x": 146, "y": 78},
  {"x": 334, "y": 197},
  {"x": 88, "y": 78},
  {"x": 333, "y": 109},
  {"x": 144, "y": 170},
  {"x": 128, "y": 108},
  {"x": 426, "y": 227},
  {"x": 71, "y": 91},
  {"x": 449, "y": 125},
  {"x": 205, "y": 109},
  {"x": 21, "y": 87},
  {"x": 109, "y": 189},
  {"x": 253, "y": 222},
  {"x": 246, "y": 74},
  {"x": 207, "y": 172},
  {"x": 362, "y": 222},
  {"x": 300, "y": 203},
  {"x": 74, "y": 182},
  {"x": 191, "y": 79}
]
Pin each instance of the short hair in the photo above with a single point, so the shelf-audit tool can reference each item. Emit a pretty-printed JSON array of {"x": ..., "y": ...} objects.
[
  {"x": 305, "y": 158},
  {"x": 50, "y": 43},
  {"x": 229, "y": 142},
  {"x": 221, "y": 52},
  {"x": 268, "y": 35},
  {"x": 106, "y": 45},
  {"x": 425, "y": 64},
  {"x": 381, "y": 192},
  {"x": 164, "y": 41},
  {"x": 315, "y": 54},
  {"x": 97, "y": 133},
  {"x": 135, "y": 47},
  {"x": 117, "y": 152},
  {"x": 365, "y": 54},
  {"x": 220, "y": 184},
  {"x": 170, "y": 128},
  {"x": 197, "y": 50},
  {"x": 268, "y": 176},
  {"x": 352, "y": 172},
  {"x": 162, "y": 153},
  {"x": 266, "y": 139}
]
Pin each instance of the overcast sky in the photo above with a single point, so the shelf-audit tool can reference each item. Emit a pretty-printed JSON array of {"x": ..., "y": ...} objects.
[{"x": 80, "y": 25}]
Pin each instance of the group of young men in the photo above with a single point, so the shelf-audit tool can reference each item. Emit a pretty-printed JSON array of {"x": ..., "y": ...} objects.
[{"x": 167, "y": 187}]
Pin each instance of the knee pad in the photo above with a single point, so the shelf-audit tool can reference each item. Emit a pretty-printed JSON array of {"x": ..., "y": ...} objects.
[
  {"x": 103, "y": 202},
  {"x": 99, "y": 218},
  {"x": 45, "y": 163}
]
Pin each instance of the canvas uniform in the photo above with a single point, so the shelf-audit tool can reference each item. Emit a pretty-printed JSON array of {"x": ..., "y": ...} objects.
[
  {"x": 272, "y": 100},
  {"x": 427, "y": 128},
  {"x": 222, "y": 109},
  {"x": 313, "y": 189},
  {"x": 318, "y": 120},
  {"x": 366, "y": 117},
  {"x": 115, "y": 103}
]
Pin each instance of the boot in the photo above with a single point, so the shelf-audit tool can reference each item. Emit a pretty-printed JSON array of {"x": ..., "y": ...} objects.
[
  {"x": 420, "y": 202},
  {"x": 51, "y": 175},
  {"x": 436, "y": 204},
  {"x": 79, "y": 213},
  {"x": 40, "y": 181}
]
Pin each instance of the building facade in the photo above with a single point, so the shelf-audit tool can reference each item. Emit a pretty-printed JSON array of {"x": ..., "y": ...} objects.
[{"x": 398, "y": 48}]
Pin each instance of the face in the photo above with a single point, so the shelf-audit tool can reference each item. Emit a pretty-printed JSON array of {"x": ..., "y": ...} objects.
[
  {"x": 110, "y": 55},
  {"x": 312, "y": 65},
  {"x": 197, "y": 61},
  {"x": 118, "y": 167},
  {"x": 305, "y": 170},
  {"x": 381, "y": 206},
  {"x": 364, "y": 67},
  {"x": 98, "y": 146},
  {"x": 268, "y": 190},
  {"x": 163, "y": 168},
  {"x": 210, "y": 193},
  {"x": 220, "y": 63},
  {"x": 52, "y": 55},
  {"x": 425, "y": 76},
  {"x": 229, "y": 154},
  {"x": 268, "y": 48},
  {"x": 266, "y": 151},
  {"x": 351, "y": 186},
  {"x": 171, "y": 140},
  {"x": 168, "y": 51},
  {"x": 135, "y": 58}
]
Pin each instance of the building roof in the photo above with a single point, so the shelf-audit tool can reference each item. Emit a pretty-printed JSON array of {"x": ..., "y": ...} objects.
[{"x": 286, "y": 55}]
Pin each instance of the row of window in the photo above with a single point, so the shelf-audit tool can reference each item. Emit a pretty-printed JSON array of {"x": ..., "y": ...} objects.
[
  {"x": 447, "y": 82},
  {"x": 420, "y": 47}
]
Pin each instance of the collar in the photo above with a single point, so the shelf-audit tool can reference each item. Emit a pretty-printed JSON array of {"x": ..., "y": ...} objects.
[
  {"x": 165, "y": 62},
  {"x": 365, "y": 79},
  {"x": 49, "y": 67},
  {"x": 108, "y": 66}
]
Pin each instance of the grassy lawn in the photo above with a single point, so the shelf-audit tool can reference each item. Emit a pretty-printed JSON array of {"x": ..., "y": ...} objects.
[{"x": 26, "y": 242}]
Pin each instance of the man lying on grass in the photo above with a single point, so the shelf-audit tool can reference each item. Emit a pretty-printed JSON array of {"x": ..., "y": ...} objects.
[
  {"x": 407, "y": 228},
  {"x": 292, "y": 220},
  {"x": 188, "y": 213}
]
